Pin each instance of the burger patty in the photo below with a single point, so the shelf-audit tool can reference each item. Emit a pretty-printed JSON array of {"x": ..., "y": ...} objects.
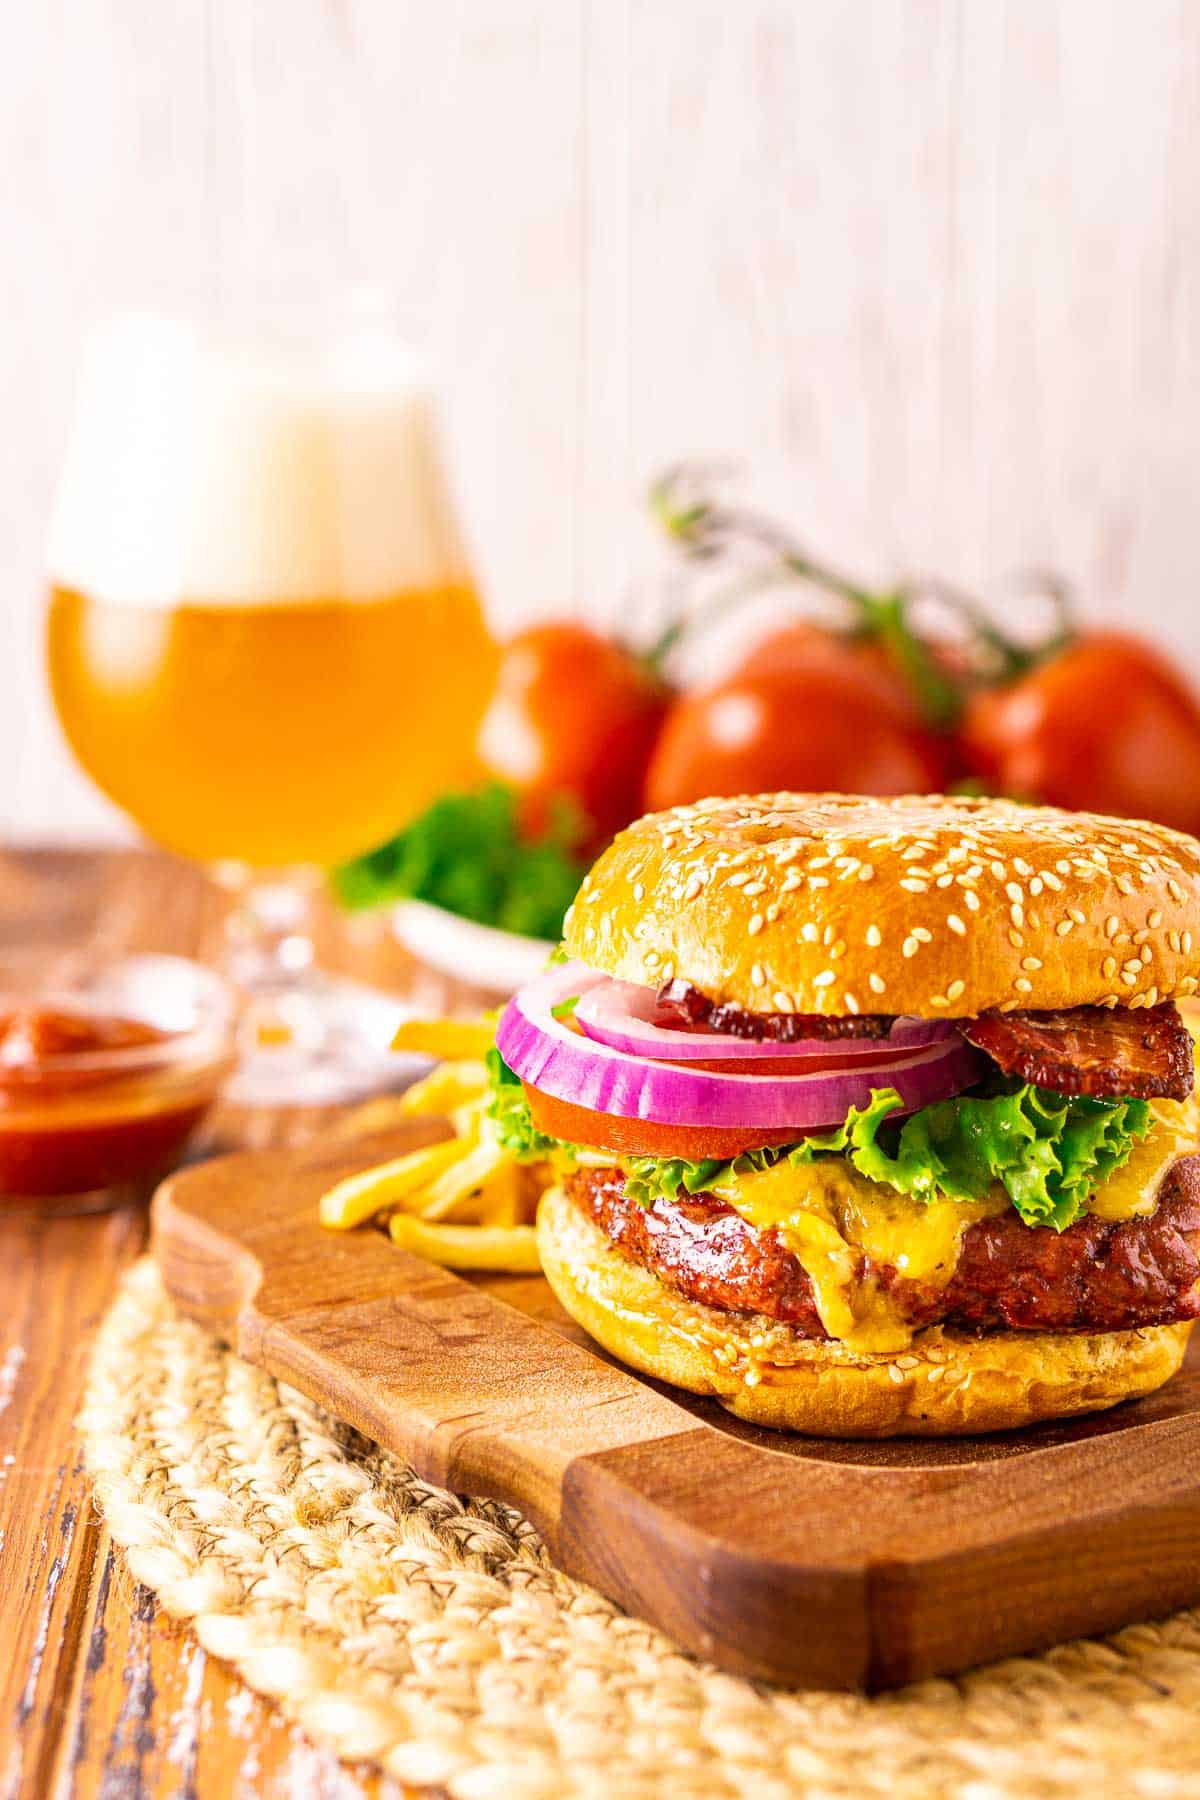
[{"x": 1098, "y": 1275}]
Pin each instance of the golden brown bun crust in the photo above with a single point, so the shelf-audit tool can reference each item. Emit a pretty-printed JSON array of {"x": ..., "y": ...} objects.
[
  {"x": 936, "y": 906},
  {"x": 946, "y": 1385}
]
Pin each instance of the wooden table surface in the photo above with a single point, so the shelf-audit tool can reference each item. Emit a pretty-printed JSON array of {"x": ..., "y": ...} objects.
[{"x": 100, "y": 1693}]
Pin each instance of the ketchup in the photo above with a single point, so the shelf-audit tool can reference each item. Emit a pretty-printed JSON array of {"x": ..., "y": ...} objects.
[{"x": 85, "y": 1103}]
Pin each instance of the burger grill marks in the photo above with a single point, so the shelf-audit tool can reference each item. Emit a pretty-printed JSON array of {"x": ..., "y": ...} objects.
[
  {"x": 681, "y": 1005},
  {"x": 1104, "y": 1052}
]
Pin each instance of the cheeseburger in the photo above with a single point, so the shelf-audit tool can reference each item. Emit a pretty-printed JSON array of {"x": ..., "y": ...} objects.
[{"x": 868, "y": 1116}]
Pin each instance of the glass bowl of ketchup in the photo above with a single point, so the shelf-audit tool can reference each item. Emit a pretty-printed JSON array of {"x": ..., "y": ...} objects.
[{"x": 104, "y": 1076}]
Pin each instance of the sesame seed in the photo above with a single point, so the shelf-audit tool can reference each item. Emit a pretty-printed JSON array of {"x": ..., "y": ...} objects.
[
  {"x": 639, "y": 890},
  {"x": 1017, "y": 914},
  {"x": 825, "y": 979},
  {"x": 896, "y": 1374},
  {"x": 971, "y": 900},
  {"x": 809, "y": 932},
  {"x": 1154, "y": 918},
  {"x": 938, "y": 1000},
  {"x": 1015, "y": 891},
  {"x": 1021, "y": 866},
  {"x": 1022, "y": 985},
  {"x": 693, "y": 887},
  {"x": 867, "y": 872},
  {"x": 755, "y": 925},
  {"x": 910, "y": 946},
  {"x": 818, "y": 881},
  {"x": 954, "y": 990},
  {"x": 1065, "y": 927},
  {"x": 876, "y": 983},
  {"x": 1175, "y": 891},
  {"x": 914, "y": 886},
  {"x": 1111, "y": 924},
  {"x": 1147, "y": 953},
  {"x": 783, "y": 1002},
  {"x": 1031, "y": 962},
  {"x": 956, "y": 924},
  {"x": 754, "y": 888},
  {"x": 1108, "y": 967},
  {"x": 874, "y": 936},
  {"x": 757, "y": 976},
  {"x": 1124, "y": 885},
  {"x": 851, "y": 1001},
  {"x": 922, "y": 934}
]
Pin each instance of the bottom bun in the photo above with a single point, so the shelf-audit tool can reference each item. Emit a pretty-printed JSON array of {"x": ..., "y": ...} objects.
[{"x": 945, "y": 1384}]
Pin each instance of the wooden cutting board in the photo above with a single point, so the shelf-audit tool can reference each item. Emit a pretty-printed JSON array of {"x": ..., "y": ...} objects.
[{"x": 795, "y": 1559}]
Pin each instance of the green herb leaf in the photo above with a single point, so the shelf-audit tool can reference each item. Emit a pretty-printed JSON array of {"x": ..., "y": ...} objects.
[{"x": 465, "y": 853}]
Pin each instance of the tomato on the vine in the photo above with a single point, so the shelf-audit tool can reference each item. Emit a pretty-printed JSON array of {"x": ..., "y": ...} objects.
[
  {"x": 573, "y": 720},
  {"x": 1104, "y": 725},
  {"x": 804, "y": 728}
]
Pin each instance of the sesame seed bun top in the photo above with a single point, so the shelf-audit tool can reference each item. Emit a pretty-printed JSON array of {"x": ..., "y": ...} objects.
[{"x": 929, "y": 905}]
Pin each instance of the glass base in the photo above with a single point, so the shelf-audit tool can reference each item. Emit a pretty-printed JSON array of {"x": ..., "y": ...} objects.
[{"x": 318, "y": 1041}]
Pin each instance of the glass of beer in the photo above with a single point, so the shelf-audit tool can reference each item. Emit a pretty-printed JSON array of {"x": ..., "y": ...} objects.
[{"x": 264, "y": 641}]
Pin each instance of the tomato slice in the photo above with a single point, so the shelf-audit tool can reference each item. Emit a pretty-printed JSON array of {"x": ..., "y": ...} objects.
[{"x": 643, "y": 1137}]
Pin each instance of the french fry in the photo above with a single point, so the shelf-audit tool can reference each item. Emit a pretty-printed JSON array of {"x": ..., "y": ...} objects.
[
  {"x": 359, "y": 1197},
  {"x": 453, "y": 1040},
  {"x": 448, "y": 1087},
  {"x": 475, "y": 1164},
  {"x": 510, "y": 1249}
]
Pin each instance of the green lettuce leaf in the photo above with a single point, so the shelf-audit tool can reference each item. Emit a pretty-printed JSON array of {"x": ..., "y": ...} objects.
[
  {"x": 651, "y": 1178},
  {"x": 1048, "y": 1151},
  {"x": 509, "y": 1109}
]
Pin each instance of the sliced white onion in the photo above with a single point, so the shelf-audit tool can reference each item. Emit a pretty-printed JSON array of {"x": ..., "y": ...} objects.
[
  {"x": 621, "y": 1015},
  {"x": 560, "y": 1061}
]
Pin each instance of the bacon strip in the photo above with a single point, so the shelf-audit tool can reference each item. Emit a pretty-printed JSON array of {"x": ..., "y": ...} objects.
[
  {"x": 681, "y": 1005},
  {"x": 1097, "y": 1050}
]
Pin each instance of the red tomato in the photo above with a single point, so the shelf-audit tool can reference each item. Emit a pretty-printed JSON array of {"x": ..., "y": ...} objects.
[
  {"x": 642, "y": 1137},
  {"x": 1104, "y": 726},
  {"x": 803, "y": 728},
  {"x": 863, "y": 659},
  {"x": 573, "y": 715}
]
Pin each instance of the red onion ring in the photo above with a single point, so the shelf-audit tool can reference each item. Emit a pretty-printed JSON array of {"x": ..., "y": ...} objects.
[
  {"x": 620, "y": 1014},
  {"x": 560, "y": 1061}
]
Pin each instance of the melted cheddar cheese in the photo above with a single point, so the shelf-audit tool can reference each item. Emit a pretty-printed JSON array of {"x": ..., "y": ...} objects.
[{"x": 830, "y": 1217}]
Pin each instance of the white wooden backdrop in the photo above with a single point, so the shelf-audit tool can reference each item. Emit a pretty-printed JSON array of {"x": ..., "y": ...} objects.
[{"x": 930, "y": 268}]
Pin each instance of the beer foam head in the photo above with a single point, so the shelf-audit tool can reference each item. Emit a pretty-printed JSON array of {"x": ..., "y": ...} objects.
[{"x": 210, "y": 470}]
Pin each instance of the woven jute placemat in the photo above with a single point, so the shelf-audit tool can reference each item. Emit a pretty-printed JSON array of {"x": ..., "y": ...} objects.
[{"x": 398, "y": 1623}]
